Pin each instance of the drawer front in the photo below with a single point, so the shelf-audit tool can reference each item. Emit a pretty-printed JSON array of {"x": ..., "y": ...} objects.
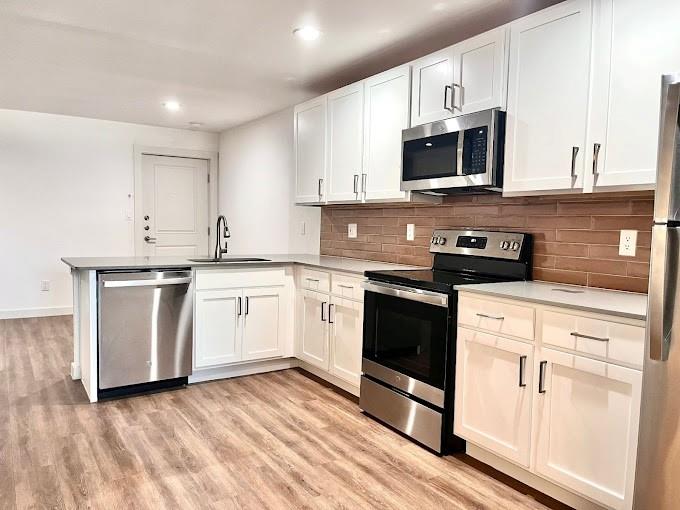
[
  {"x": 496, "y": 317},
  {"x": 229, "y": 279},
  {"x": 598, "y": 337},
  {"x": 346, "y": 286},
  {"x": 315, "y": 280}
]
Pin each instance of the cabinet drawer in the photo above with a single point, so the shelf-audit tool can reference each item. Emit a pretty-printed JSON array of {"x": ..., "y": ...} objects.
[
  {"x": 496, "y": 317},
  {"x": 595, "y": 336},
  {"x": 315, "y": 280},
  {"x": 229, "y": 279},
  {"x": 347, "y": 286}
]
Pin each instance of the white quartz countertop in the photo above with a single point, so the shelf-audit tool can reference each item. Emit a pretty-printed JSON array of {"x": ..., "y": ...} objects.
[
  {"x": 611, "y": 302},
  {"x": 322, "y": 261}
]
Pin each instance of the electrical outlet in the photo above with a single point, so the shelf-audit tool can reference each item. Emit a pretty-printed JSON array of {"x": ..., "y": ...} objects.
[
  {"x": 628, "y": 243},
  {"x": 410, "y": 232},
  {"x": 45, "y": 285},
  {"x": 352, "y": 230}
]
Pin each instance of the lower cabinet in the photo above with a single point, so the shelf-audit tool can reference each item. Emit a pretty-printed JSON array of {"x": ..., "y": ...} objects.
[
  {"x": 331, "y": 332},
  {"x": 587, "y": 422},
  {"x": 494, "y": 393},
  {"x": 237, "y": 325}
]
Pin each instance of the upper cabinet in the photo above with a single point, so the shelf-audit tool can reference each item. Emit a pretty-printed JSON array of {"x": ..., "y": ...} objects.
[
  {"x": 465, "y": 78},
  {"x": 310, "y": 151},
  {"x": 386, "y": 114},
  {"x": 345, "y": 138},
  {"x": 548, "y": 99},
  {"x": 636, "y": 42}
]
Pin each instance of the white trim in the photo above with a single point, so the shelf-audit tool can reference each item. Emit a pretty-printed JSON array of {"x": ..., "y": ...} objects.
[
  {"x": 213, "y": 161},
  {"x": 240, "y": 369},
  {"x": 48, "y": 311},
  {"x": 328, "y": 377}
]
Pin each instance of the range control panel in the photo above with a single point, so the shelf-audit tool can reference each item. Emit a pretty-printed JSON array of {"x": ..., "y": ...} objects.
[{"x": 479, "y": 243}]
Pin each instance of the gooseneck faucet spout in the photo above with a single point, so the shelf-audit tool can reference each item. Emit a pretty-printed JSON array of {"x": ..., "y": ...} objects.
[{"x": 219, "y": 251}]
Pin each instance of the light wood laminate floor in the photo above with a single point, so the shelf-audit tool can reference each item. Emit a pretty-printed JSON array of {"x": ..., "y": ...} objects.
[{"x": 277, "y": 440}]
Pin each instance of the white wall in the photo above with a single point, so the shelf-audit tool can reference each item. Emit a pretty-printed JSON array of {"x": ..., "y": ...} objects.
[
  {"x": 64, "y": 185},
  {"x": 256, "y": 189}
]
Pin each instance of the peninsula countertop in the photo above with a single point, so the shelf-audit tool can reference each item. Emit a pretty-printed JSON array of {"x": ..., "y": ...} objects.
[
  {"x": 612, "y": 302},
  {"x": 358, "y": 266}
]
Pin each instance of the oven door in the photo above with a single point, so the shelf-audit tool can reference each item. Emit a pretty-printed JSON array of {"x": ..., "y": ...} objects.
[{"x": 406, "y": 332}]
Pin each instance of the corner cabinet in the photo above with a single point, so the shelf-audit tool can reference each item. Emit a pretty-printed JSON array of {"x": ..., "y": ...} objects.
[
  {"x": 563, "y": 408},
  {"x": 309, "y": 125},
  {"x": 465, "y": 78},
  {"x": 548, "y": 99}
]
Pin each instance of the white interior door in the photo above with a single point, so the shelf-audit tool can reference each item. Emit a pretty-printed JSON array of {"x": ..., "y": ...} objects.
[{"x": 174, "y": 212}]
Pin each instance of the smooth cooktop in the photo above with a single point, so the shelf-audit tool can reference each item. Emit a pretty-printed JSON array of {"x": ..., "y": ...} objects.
[{"x": 428, "y": 279}]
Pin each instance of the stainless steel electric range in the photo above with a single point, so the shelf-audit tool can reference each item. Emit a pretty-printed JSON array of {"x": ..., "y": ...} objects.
[{"x": 409, "y": 347}]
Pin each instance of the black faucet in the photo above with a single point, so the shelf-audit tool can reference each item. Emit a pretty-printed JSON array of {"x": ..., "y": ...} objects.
[{"x": 219, "y": 251}]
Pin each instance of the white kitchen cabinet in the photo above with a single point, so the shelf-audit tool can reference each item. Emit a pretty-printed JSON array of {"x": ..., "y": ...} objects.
[
  {"x": 636, "y": 42},
  {"x": 465, "y": 78},
  {"x": 314, "y": 328},
  {"x": 218, "y": 327},
  {"x": 480, "y": 72},
  {"x": 548, "y": 99},
  {"x": 346, "y": 336},
  {"x": 494, "y": 393},
  {"x": 431, "y": 88},
  {"x": 310, "y": 151},
  {"x": 262, "y": 316},
  {"x": 586, "y": 426},
  {"x": 345, "y": 138},
  {"x": 386, "y": 114}
]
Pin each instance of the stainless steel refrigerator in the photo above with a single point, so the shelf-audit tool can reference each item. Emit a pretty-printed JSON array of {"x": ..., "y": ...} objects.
[{"x": 657, "y": 483}]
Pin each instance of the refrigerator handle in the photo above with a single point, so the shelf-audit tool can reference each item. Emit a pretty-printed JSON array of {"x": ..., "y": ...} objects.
[
  {"x": 658, "y": 319},
  {"x": 666, "y": 181}
]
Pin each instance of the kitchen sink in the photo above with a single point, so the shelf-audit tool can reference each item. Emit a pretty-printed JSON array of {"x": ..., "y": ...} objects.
[{"x": 230, "y": 260}]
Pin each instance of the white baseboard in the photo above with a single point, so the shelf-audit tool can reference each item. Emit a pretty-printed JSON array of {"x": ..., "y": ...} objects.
[
  {"x": 22, "y": 313},
  {"x": 530, "y": 479},
  {"x": 250, "y": 368},
  {"x": 75, "y": 370}
]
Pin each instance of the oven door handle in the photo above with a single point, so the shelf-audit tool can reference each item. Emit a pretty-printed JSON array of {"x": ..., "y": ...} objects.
[{"x": 422, "y": 296}]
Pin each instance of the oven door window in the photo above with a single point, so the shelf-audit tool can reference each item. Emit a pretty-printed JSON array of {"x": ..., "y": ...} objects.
[
  {"x": 430, "y": 158},
  {"x": 407, "y": 336}
]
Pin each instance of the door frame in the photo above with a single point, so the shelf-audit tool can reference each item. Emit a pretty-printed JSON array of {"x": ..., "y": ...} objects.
[{"x": 213, "y": 160}]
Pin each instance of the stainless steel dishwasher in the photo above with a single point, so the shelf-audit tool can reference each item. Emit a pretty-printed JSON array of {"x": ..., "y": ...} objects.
[{"x": 145, "y": 327}]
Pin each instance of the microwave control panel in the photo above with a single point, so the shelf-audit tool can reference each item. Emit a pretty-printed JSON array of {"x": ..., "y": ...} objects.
[{"x": 475, "y": 143}]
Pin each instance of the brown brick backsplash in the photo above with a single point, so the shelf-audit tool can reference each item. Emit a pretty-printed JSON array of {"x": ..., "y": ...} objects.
[{"x": 575, "y": 237}]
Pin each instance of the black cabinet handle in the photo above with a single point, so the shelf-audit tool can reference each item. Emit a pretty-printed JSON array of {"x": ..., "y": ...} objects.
[
  {"x": 331, "y": 307},
  {"x": 541, "y": 376},
  {"x": 239, "y": 306},
  {"x": 522, "y": 369},
  {"x": 247, "y": 304},
  {"x": 323, "y": 309}
]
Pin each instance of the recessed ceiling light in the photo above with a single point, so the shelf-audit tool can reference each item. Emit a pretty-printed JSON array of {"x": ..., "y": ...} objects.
[
  {"x": 307, "y": 33},
  {"x": 195, "y": 124},
  {"x": 173, "y": 106}
]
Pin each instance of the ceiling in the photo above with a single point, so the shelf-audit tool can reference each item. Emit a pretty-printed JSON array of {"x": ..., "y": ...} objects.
[{"x": 225, "y": 61}]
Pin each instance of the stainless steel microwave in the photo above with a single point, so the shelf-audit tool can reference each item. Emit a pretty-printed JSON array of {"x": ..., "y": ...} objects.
[{"x": 460, "y": 154}]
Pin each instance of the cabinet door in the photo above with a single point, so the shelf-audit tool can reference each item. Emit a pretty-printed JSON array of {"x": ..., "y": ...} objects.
[
  {"x": 262, "y": 311},
  {"x": 493, "y": 393},
  {"x": 310, "y": 151},
  {"x": 218, "y": 327},
  {"x": 548, "y": 97},
  {"x": 431, "y": 88},
  {"x": 386, "y": 113},
  {"x": 636, "y": 43},
  {"x": 314, "y": 328},
  {"x": 346, "y": 339},
  {"x": 587, "y": 424},
  {"x": 480, "y": 72},
  {"x": 345, "y": 138}
]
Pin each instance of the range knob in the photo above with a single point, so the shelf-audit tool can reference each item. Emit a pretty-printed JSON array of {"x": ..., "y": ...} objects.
[
  {"x": 505, "y": 245},
  {"x": 442, "y": 241},
  {"x": 515, "y": 246}
]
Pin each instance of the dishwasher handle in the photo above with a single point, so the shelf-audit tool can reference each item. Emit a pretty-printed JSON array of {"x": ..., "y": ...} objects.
[{"x": 146, "y": 283}]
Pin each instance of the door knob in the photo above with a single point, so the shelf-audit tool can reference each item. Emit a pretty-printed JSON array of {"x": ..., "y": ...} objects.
[{"x": 146, "y": 217}]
